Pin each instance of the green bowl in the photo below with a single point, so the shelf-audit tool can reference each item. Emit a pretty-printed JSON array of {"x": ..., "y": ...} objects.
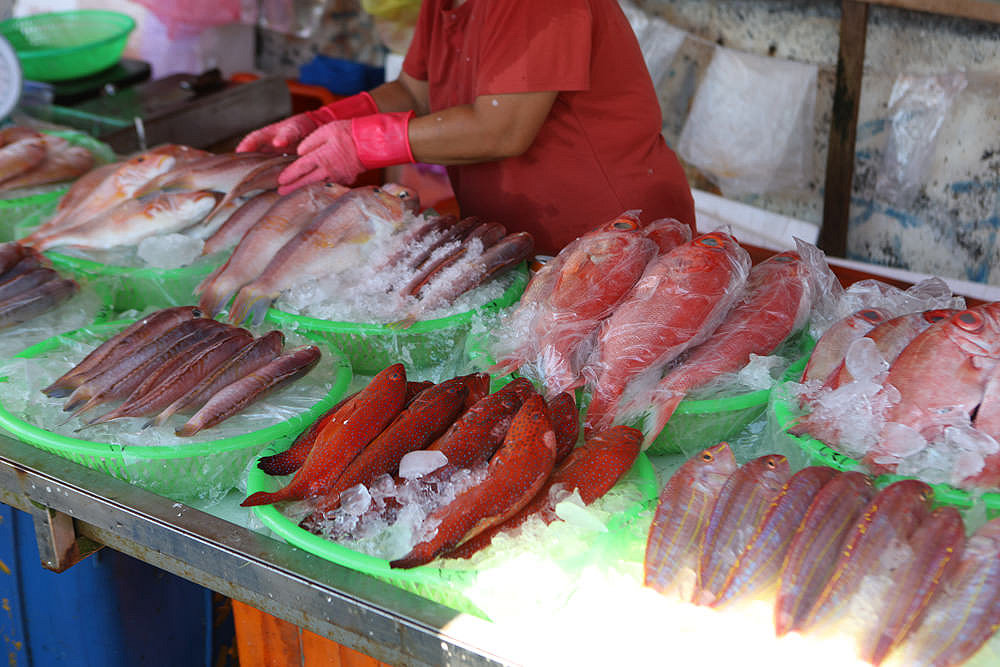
[
  {"x": 819, "y": 453},
  {"x": 425, "y": 344},
  {"x": 66, "y": 45},
  {"x": 17, "y": 206},
  {"x": 207, "y": 468},
  {"x": 442, "y": 585}
]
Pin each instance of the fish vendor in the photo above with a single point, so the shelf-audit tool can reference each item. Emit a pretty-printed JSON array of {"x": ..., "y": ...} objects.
[{"x": 543, "y": 112}]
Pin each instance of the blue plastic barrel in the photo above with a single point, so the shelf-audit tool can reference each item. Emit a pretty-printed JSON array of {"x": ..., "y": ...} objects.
[{"x": 108, "y": 610}]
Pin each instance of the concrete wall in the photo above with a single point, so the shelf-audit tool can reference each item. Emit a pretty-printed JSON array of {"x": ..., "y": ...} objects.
[{"x": 949, "y": 226}]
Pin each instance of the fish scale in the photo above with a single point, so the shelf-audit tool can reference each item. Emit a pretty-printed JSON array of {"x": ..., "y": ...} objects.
[
  {"x": 339, "y": 442},
  {"x": 592, "y": 469},
  {"x": 427, "y": 417},
  {"x": 741, "y": 505},
  {"x": 677, "y": 531},
  {"x": 813, "y": 551},
  {"x": 566, "y": 422},
  {"x": 515, "y": 473}
]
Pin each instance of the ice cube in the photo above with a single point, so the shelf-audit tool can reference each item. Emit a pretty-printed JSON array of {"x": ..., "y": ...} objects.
[
  {"x": 170, "y": 251},
  {"x": 757, "y": 373},
  {"x": 901, "y": 440},
  {"x": 573, "y": 510},
  {"x": 419, "y": 463},
  {"x": 968, "y": 438},
  {"x": 356, "y": 500},
  {"x": 863, "y": 360}
]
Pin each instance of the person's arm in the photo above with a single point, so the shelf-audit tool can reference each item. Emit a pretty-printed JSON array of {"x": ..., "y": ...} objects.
[{"x": 404, "y": 94}]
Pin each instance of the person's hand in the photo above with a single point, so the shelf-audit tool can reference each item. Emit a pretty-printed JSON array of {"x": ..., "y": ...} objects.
[
  {"x": 341, "y": 150},
  {"x": 328, "y": 154},
  {"x": 283, "y": 136}
]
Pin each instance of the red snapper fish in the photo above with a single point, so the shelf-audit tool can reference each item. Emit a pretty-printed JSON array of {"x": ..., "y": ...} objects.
[
  {"x": 961, "y": 354},
  {"x": 677, "y": 532},
  {"x": 776, "y": 304},
  {"x": 832, "y": 345},
  {"x": 515, "y": 474},
  {"x": 572, "y": 293},
  {"x": 667, "y": 233},
  {"x": 678, "y": 302},
  {"x": 336, "y": 239}
]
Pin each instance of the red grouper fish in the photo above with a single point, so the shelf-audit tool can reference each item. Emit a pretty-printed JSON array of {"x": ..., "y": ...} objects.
[
  {"x": 572, "y": 293},
  {"x": 290, "y": 460},
  {"x": 480, "y": 431},
  {"x": 816, "y": 544},
  {"x": 592, "y": 469},
  {"x": 884, "y": 528},
  {"x": 339, "y": 442},
  {"x": 677, "y": 532},
  {"x": 430, "y": 413},
  {"x": 757, "y": 567},
  {"x": 962, "y": 617},
  {"x": 336, "y": 239},
  {"x": 936, "y": 547},
  {"x": 678, "y": 302},
  {"x": 961, "y": 354},
  {"x": 775, "y": 305},
  {"x": 889, "y": 339},
  {"x": 741, "y": 506},
  {"x": 236, "y": 396},
  {"x": 566, "y": 423},
  {"x": 515, "y": 474}
]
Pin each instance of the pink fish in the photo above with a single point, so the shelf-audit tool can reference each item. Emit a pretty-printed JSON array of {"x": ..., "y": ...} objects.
[
  {"x": 62, "y": 162},
  {"x": 678, "y": 302},
  {"x": 570, "y": 295},
  {"x": 832, "y": 345},
  {"x": 776, "y": 304},
  {"x": 239, "y": 223},
  {"x": 677, "y": 532},
  {"x": 20, "y": 156}
]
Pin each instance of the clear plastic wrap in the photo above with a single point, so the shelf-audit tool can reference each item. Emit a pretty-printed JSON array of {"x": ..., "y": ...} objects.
[
  {"x": 658, "y": 40},
  {"x": 78, "y": 311},
  {"x": 918, "y": 105},
  {"x": 750, "y": 128},
  {"x": 677, "y": 303}
]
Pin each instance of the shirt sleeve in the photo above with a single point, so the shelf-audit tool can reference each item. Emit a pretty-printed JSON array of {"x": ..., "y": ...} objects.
[
  {"x": 415, "y": 62},
  {"x": 533, "y": 45}
]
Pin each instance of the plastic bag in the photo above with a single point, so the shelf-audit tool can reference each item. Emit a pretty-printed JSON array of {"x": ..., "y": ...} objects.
[
  {"x": 658, "y": 40},
  {"x": 187, "y": 18},
  {"x": 917, "y": 108},
  {"x": 751, "y": 123}
]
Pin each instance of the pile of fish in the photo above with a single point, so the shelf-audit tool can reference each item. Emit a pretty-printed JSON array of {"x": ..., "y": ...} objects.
[
  {"x": 29, "y": 286},
  {"x": 178, "y": 361},
  {"x": 29, "y": 158},
  {"x": 882, "y": 566},
  {"x": 365, "y": 240},
  {"x": 628, "y": 303},
  {"x": 923, "y": 384},
  {"x": 527, "y": 444},
  {"x": 171, "y": 188}
]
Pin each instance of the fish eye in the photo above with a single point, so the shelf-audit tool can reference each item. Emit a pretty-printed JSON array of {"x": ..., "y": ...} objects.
[
  {"x": 624, "y": 225},
  {"x": 871, "y": 315},
  {"x": 936, "y": 315},
  {"x": 377, "y": 189},
  {"x": 710, "y": 241},
  {"x": 781, "y": 258},
  {"x": 196, "y": 312},
  {"x": 707, "y": 456},
  {"x": 140, "y": 159},
  {"x": 771, "y": 463},
  {"x": 969, "y": 320}
]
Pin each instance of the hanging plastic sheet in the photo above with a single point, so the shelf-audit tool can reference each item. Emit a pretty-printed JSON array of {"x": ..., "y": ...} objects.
[
  {"x": 187, "y": 18},
  {"x": 658, "y": 40},
  {"x": 300, "y": 18},
  {"x": 750, "y": 128},
  {"x": 918, "y": 106}
]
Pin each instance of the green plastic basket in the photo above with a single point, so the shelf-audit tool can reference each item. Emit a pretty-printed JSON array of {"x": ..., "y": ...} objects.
[
  {"x": 442, "y": 585},
  {"x": 820, "y": 453},
  {"x": 18, "y": 206},
  {"x": 426, "y": 344},
  {"x": 65, "y": 45},
  {"x": 197, "y": 470}
]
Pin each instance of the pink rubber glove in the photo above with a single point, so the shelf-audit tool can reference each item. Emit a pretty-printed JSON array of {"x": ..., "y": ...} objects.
[
  {"x": 341, "y": 150},
  {"x": 285, "y": 135}
]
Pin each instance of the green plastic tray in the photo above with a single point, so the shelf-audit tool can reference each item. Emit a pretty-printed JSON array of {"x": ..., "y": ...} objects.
[
  {"x": 442, "y": 585},
  {"x": 820, "y": 453},
  {"x": 65, "y": 45},
  {"x": 193, "y": 470},
  {"x": 426, "y": 344},
  {"x": 42, "y": 200}
]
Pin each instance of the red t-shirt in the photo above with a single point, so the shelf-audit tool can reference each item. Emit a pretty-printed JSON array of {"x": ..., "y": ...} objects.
[{"x": 599, "y": 152}]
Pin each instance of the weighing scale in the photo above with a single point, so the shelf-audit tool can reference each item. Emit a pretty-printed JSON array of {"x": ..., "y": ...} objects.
[{"x": 10, "y": 79}]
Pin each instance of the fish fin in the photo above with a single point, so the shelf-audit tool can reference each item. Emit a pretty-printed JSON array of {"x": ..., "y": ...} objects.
[
  {"x": 186, "y": 430},
  {"x": 250, "y": 304},
  {"x": 214, "y": 301},
  {"x": 404, "y": 323},
  {"x": 505, "y": 367},
  {"x": 57, "y": 390},
  {"x": 262, "y": 498}
]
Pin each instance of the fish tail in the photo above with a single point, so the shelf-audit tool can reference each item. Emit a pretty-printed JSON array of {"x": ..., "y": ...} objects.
[
  {"x": 58, "y": 389},
  {"x": 215, "y": 299},
  {"x": 251, "y": 305},
  {"x": 187, "y": 430},
  {"x": 404, "y": 323},
  {"x": 265, "y": 498},
  {"x": 659, "y": 411},
  {"x": 505, "y": 367}
]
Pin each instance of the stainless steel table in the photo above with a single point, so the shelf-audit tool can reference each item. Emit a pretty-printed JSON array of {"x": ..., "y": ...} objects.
[{"x": 77, "y": 510}]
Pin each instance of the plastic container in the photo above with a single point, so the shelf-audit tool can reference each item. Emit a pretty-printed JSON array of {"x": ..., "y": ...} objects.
[
  {"x": 108, "y": 610},
  {"x": 18, "y": 206},
  {"x": 65, "y": 45},
  {"x": 819, "y": 453},
  {"x": 442, "y": 585},
  {"x": 205, "y": 467},
  {"x": 425, "y": 344},
  {"x": 131, "y": 287}
]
